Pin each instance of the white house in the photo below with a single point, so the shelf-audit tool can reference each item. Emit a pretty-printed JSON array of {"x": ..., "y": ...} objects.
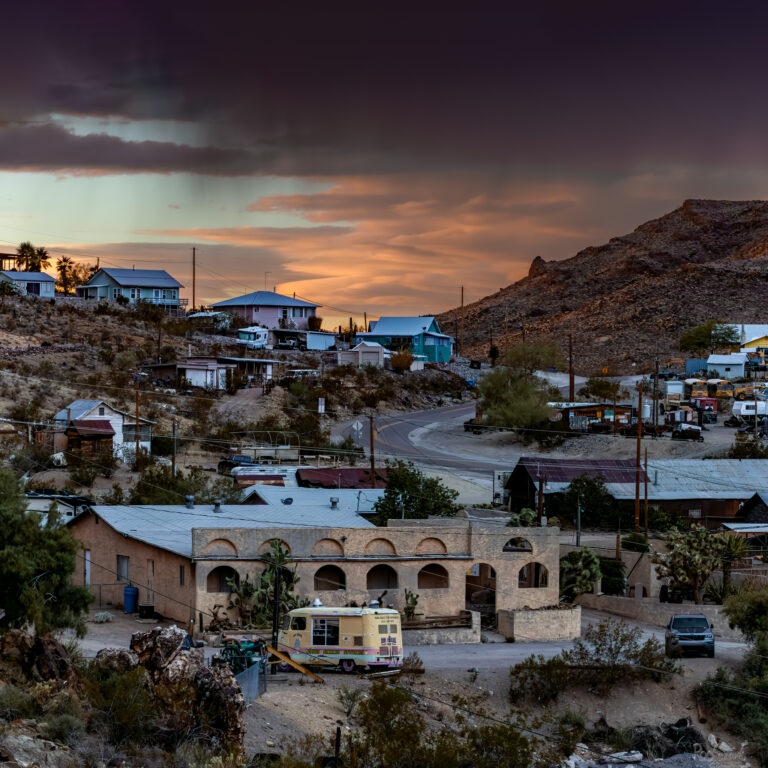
[
  {"x": 270, "y": 309},
  {"x": 206, "y": 372},
  {"x": 30, "y": 283},
  {"x": 727, "y": 366},
  {"x": 124, "y": 425}
]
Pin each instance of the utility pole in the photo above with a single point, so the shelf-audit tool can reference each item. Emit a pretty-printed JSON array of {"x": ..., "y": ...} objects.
[
  {"x": 276, "y": 614},
  {"x": 173, "y": 449},
  {"x": 265, "y": 279},
  {"x": 461, "y": 324},
  {"x": 614, "y": 413},
  {"x": 571, "y": 387},
  {"x": 656, "y": 398},
  {"x": 540, "y": 513},
  {"x": 578, "y": 521},
  {"x": 645, "y": 504},
  {"x": 637, "y": 460},
  {"x": 365, "y": 322},
  {"x": 755, "y": 394},
  {"x": 194, "y": 255},
  {"x": 137, "y": 419},
  {"x": 373, "y": 462}
]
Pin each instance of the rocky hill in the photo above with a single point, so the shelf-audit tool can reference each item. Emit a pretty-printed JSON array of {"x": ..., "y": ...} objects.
[{"x": 630, "y": 299}]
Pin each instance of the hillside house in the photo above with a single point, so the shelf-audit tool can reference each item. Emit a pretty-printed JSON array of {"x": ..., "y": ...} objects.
[
  {"x": 421, "y": 336},
  {"x": 90, "y": 438},
  {"x": 30, "y": 283},
  {"x": 155, "y": 286},
  {"x": 364, "y": 353},
  {"x": 123, "y": 425},
  {"x": 270, "y": 309}
]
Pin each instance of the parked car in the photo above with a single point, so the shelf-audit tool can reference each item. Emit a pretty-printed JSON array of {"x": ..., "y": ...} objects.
[
  {"x": 226, "y": 465},
  {"x": 689, "y": 632},
  {"x": 687, "y": 432}
]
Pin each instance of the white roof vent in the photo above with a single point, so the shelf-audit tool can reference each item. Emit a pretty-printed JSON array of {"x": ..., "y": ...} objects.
[
  {"x": 334, "y": 502},
  {"x": 317, "y": 603}
]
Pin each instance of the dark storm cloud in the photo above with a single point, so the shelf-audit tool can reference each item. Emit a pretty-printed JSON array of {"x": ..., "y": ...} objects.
[{"x": 341, "y": 90}]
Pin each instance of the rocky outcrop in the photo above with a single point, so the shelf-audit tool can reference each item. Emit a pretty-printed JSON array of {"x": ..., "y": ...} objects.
[
  {"x": 157, "y": 647},
  {"x": 633, "y": 297},
  {"x": 116, "y": 659}
]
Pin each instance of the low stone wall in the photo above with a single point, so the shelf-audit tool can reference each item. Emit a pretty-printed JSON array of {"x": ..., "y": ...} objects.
[
  {"x": 527, "y": 626},
  {"x": 445, "y": 635},
  {"x": 651, "y": 611}
]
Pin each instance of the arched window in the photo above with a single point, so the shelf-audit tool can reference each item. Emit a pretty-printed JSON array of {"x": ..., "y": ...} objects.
[
  {"x": 327, "y": 547},
  {"x": 382, "y": 577},
  {"x": 431, "y": 546},
  {"x": 518, "y": 544},
  {"x": 533, "y": 575},
  {"x": 217, "y": 579},
  {"x": 433, "y": 576},
  {"x": 380, "y": 547},
  {"x": 330, "y": 577}
]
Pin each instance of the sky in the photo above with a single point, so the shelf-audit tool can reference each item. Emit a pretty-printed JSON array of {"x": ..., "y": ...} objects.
[{"x": 369, "y": 157}]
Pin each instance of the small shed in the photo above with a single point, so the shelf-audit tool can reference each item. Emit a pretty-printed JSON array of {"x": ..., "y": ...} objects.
[
  {"x": 30, "y": 283},
  {"x": 727, "y": 366},
  {"x": 90, "y": 437},
  {"x": 365, "y": 353}
]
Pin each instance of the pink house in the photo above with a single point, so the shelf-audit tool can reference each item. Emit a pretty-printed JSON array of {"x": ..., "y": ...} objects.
[{"x": 269, "y": 309}]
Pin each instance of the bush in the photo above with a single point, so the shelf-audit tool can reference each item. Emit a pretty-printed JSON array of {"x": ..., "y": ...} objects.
[
  {"x": 635, "y": 542},
  {"x": 82, "y": 473},
  {"x": 613, "y": 581},
  {"x": 15, "y": 703},
  {"x": 349, "y": 698},
  {"x": 63, "y": 727},
  {"x": 401, "y": 361}
]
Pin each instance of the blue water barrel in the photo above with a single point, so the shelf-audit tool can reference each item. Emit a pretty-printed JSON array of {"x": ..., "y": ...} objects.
[{"x": 130, "y": 599}]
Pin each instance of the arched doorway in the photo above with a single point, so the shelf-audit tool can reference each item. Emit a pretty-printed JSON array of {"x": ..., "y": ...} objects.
[
  {"x": 217, "y": 579},
  {"x": 329, "y": 578},
  {"x": 481, "y": 588},
  {"x": 433, "y": 576},
  {"x": 381, "y": 577}
]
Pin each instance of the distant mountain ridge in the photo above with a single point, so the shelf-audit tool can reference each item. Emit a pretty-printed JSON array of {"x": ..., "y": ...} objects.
[{"x": 630, "y": 299}]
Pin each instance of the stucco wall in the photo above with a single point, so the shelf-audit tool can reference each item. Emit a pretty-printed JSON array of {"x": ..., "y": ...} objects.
[
  {"x": 170, "y": 598},
  {"x": 541, "y": 625},
  {"x": 651, "y": 611},
  {"x": 406, "y": 550}
]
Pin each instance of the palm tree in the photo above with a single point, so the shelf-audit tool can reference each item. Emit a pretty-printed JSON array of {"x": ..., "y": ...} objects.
[
  {"x": 41, "y": 260},
  {"x": 64, "y": 268},
  {"x": 24, "y": 254},
  {"x": 732, "y": 548}
]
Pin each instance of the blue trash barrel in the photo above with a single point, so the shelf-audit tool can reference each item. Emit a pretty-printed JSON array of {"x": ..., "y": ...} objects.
[{"x": 130, "y": 599}]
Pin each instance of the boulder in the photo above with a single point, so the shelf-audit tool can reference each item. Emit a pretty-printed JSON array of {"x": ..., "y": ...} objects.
[
  {"x": 117, "y": 659},
  {"x": 48, "y": 659},
  {"x": 626, "y": 757},
  {"x": 221, "y": 702},
  {"x": 183, "y": 666},
  {"x": 686, "y": 736},
  {"x": 15, "y": 645},
  {"x": 712, "y": 740},
  {"x": 157, "y": 647}
]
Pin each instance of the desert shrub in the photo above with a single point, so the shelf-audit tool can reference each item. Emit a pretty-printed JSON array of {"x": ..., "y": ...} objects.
[
  {"x": 401, "y": 361},
  {"x": 523, "y": 519},
  {"x": 609, "y": 653},
  {"x": 15, "y": 703},
  {"x": 63, "y": 727},
  {"x": 349, "y": 698},
  {"x": 635, "y": 542},
  {"x": 571, "y": 727},
  {"x": 82, "y": 473}
]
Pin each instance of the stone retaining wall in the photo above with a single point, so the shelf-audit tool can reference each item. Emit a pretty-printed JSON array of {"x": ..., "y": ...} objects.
[
  {"x": 651, "y": 611},
  {"x": 445, "y": 635},
  {"x": 527, "y": 626}
]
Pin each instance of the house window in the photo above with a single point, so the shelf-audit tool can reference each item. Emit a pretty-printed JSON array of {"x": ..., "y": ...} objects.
[
  {"x": 694, "y": 513},
  {"x": 123, "y": 568},
  {"x": 181, "y": 575},
  {"x": 325, "y": 631},
  {"x": 429, "y": 341},
  {"x": 157, "y": 293},
  {"x": 135, "y": 293},
  {"x": 115, "y": 293},
  {"x": 101, "y": 410},
  {"x": 284, "y": 312}
]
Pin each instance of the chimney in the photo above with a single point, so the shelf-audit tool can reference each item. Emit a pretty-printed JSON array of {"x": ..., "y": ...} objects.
[
  {"x": 217, "y": 506},
  {"x": 334, "y": 502},
  {"x": 69, "y": 416},
  {"x": 189, "y": 502}
]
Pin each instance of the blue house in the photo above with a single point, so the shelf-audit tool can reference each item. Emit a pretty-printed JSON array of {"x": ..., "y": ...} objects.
[
  {"x": 153, "y": 285},
  {"x": 418, "y": 335}
]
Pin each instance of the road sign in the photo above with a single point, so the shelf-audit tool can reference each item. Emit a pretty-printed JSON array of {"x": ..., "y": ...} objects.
[{"x": 357, "y": 426}]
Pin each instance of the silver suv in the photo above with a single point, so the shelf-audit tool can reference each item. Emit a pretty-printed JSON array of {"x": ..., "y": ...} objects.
[{"x": 689, "y": 632}]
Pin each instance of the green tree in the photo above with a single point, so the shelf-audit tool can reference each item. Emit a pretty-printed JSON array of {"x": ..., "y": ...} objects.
[
  {"x": 510, "y": 399},
  {"x": 605, "y": 390},
  {"x": 748, "y": 612},
  {"x": 36, "y": 564},
  {"x": 597, "y": 505},
  {"x": 526, "y": 359},
  {"x": 579, "y": 570},
  {"x": 710, "y": 334},
  {"x": 691, "y": 559},
  {"x": 411, "y": 494},
  {"x": 732, "y": 548},
  {"x": 157, "y": 485}
]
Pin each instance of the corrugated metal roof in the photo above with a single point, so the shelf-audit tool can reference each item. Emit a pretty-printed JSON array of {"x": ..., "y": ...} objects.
[
  {"x": 350, "y": 500},
  {"x": 565, "y": 470},
  {"x": 93, "y": 427},
  {"x": 735, "y": 358},
  {"x": 347, "y": 477},
  {"x": 142, "y": 278},
  {"x": 264, "y": 299},
  {"x": 35, "y": 277},
  {"x": 170, "y": 526},
  {"x": 77, "y": 409},
  {"x": 403, "y": 326}
]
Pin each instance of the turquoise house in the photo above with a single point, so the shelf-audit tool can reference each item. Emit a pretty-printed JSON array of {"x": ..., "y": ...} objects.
[{"x": 421, "y": 336}]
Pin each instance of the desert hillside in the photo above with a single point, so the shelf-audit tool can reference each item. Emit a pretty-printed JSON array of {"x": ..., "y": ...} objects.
[{"x": 630, "y": 299}]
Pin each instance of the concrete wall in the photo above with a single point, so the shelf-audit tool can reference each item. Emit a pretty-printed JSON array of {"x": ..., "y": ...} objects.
[
  {"x": 169, "y": 596},
  {"x": 445, "y": 635},
  {"x": 473, "y": 559},
  {"x": 541, "y": 625},
  {"x": 651, "y": 611}
]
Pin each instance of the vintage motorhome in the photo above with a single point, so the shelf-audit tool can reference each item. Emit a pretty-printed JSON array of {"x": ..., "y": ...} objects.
[{"x": 350, "y": 638}]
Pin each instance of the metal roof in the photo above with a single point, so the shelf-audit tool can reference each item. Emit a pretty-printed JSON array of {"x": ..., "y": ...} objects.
[
  {"x": 264, "y": 299},
  {"x": 403, "y": 326},
  {"x": 141, "y": 278},
  {"x": 170, "y": 526},
  {"x": 93, "y": 427},
  {"x": 735, "y": 358},
  {"x": 79, "y": 409},
  {"x": 35, "y": 277},
  {"x": 350, "y": 500},
  {"x": 565, "y": 470},
  {"x": 345, "y": 477}
]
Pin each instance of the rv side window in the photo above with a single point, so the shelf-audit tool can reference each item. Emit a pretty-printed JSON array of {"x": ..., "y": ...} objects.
[
  {"x": 383, "y": 629},
  {"x": 286, "y": 623},
  {"x": 393, "y": 629},
  {"x": 299, "y": 622},
  {"x": 325, "y": 631}
]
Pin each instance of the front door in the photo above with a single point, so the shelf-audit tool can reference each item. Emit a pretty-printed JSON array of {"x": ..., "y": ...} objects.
[{"x": 87, "y": 560}]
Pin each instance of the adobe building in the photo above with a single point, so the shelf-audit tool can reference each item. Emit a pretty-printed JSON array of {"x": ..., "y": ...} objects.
[{"x": 180, "y": 558}]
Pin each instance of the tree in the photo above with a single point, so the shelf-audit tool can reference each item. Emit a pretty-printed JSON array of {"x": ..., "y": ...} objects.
[
  {"x": 81, "y": 273},
  {"x": 37, "y": 561},
  {"x": 510, "y": 399},
  {"x": 579, "y": 570},
  {"x": 526, "y": 359},
  {"x": 692, "y": 558},
  {"x": 597, "y": 505},
  {"x": 748, "y": 612},
  {"x": 411, "y": 494},
  {"x": 39, "y": 260},
  {"x": 493, "y": 354},
  {"x": 158, "y": 485},
  {"x": 314, "y": 323},
  {"x": 732, "y": 548},
  {"x": 598, "y": 388},
  {"x": 64, "y": 267},
  {"x": 711, "y": 334},
  {"x": 25, "y": 253}
]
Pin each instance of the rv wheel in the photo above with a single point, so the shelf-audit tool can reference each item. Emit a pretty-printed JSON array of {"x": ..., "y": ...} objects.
[{"x": 348, "y": 666}]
